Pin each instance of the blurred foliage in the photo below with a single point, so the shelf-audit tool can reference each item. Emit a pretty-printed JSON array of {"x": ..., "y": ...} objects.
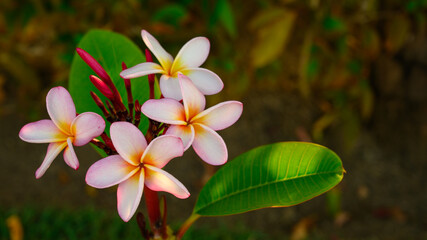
[
  {"x": 326, "y": 50},
  {"x": 89, "y": 223}
]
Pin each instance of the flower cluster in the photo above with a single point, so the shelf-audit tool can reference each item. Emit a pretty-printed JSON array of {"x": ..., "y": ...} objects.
[{"x": 178, "y": 120}]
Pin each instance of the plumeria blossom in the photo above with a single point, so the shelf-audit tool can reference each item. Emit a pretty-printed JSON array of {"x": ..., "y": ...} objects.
[
  {"x": 194, "y": 125},
  {"x": 136, "y": 165},
  {"x": 189, "y": 58},
  {"x": 64, "y": 130}
]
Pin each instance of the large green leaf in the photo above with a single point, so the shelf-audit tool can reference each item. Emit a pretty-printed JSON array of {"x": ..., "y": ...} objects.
[
  {"x": 276, "y": 175},
  {"x": 110, "y": 50}
]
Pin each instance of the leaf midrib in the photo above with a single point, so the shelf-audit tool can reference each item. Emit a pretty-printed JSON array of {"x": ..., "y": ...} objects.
[{"x": 264, "y": 184}]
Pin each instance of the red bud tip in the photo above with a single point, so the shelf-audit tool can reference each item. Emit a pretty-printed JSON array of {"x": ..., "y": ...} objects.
[
  {"x": 96, "y": 67},
  {"x": 101, "y": 86},
  {"x": 124, "y": 67}
]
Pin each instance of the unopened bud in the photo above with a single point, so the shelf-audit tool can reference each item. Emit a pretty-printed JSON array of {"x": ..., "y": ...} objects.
[
  {"x": 101, "y": 86},
  {"x": 151, "y": 77},
  {"x": 92, "y": 63}
]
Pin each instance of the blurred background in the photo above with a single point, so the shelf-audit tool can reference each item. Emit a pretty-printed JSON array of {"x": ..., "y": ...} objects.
[{"x": 350, "y": 75}]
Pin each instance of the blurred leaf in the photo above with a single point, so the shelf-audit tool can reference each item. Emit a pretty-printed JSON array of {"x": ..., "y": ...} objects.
[
  {"x": 272, "y": 28},
  {"x": 367, "y": 100},
  {"x": 275, "y": 175},
  {"x": 416, "y": 5},
  {"x": 110, "y": 50},
  {"x": 226, "y": 17},
  {"x": 15, "y": 228},
  {"x": 171, "y": 14},
  {"x": 354, "y": 67},
  {"x": 333, "y": 24},
  {"x": 300, "y": 230},
  {"x": 371, "y": 42},
  {"x": 350, "y": 127},
  {"x": 333, "y": 198},
  {"x": 321, "y": 124},
  {"x": 397, "y": 31},
  {"x": 305, "y": 68}
]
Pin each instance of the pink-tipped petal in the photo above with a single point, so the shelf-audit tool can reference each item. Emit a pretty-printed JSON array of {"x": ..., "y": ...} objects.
[
  {"x": 158, "y": 180},
  {"x": 142, "y": 69},
  {"x": 164, "y": 110},
  {"x": 109, "y": 171},
  {"x": 169, "y": 86},
  {"x": 129, "y": 141},
  {"x": 129, "y": 195},
  {"x": 161, "y": 150},
  {"x": 205, "y": 80},
  {"x": 220, "y": 116},
  {"x": 70, "y": 156},
  {"x": 185, "y": 132},
  {"x": 43, "y": 131},
  {"x": 86, "y": 127},
  {"x": 193, "y": 99},
  {"x": 192, "y": 54},
  {"x": 209, "y": 145},
  {"x": 60, "y": 107},
  {"x": 52, "y": 151},
  {"x": 164, "y": 57}
]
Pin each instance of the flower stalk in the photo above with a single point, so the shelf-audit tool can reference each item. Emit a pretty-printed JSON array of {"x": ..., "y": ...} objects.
[{"x": 186, "y": 225}]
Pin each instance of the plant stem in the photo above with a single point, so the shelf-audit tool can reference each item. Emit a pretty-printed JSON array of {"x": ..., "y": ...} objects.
[
  {"x": 186, "y": 225},
  {"x": 153, "y": 209}
]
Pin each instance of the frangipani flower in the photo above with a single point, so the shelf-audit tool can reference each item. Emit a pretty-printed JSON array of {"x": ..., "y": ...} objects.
[
  {"x": 136, "y": 165},
  {"x": 64, "y": 130},
  {"x": 189, "y": 58},
  {"x": 194, "y": 125}
]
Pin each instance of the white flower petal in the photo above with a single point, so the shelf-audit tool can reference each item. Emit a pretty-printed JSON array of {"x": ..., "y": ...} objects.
[
  {"x": 220, "y": 116},
  {"x": 43, "y": 131},
  {"x": 205, "y": 80},
  {"x": 164, "y": 57},
  {"x": 193, "y": 100},
  {"x": 169, "y": 86},
  {"x": 52, "y": 151},
  {"x": 60, "y": 107},
  {"x": 192, "y": 54},
  {"x": 129, "y": 195},
  {"x": 142, "y": 69},
  {"x": 164, "y": 110},
  {"x": 161, "y": 150},
  {"x": 185, "y": 132},
  {"x": 70, "y": 156},
  {"x": 109, "y": 171},
  {"x": 158, "y": 180},
  {"x": 86, "y": 127},
  {"x": 129, "y": 141},
  {"x": 209, "y": 145}
]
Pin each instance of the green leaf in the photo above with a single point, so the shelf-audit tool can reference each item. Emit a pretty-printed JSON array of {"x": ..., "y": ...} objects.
[
  {"x": 110, "y": 50},
  {"x": 276, "y": 175}
]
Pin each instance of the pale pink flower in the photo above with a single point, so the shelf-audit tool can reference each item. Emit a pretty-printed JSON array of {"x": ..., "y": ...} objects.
[
  {"x": 64, "y": 130},
  {"x": 194, "y": 125},
  {"x": 136, "y": 165},
  {"x": 189, "y": 58}
]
